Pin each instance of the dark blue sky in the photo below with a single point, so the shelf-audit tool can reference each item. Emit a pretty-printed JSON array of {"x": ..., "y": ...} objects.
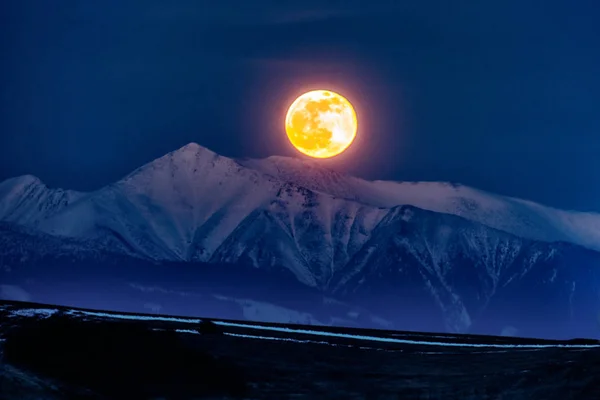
[{"x": 504, "y": 96}]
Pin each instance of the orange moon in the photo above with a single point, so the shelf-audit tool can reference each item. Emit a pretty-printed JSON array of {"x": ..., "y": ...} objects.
[{"x": 321, "y": 123}]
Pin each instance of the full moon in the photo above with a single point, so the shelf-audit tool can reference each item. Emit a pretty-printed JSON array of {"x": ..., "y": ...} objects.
[{"x": 321, "y": 123}]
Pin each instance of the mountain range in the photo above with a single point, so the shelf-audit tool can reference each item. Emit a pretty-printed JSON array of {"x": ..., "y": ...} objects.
[{"x": 421, "y": 256}]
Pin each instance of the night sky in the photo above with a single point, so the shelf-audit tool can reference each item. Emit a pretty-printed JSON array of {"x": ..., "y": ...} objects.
[{"x": 504, "y": 96}]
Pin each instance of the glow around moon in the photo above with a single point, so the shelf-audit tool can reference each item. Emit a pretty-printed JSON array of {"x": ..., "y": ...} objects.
[{"x": 321, "y": 123}]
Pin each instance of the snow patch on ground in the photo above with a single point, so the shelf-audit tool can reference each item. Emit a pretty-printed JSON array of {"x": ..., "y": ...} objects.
[
  {"x": 187, "y": 331},
  {"x": 403, "y": 341},
  {"x": 33, "y": 312},
  {"x": 134, "y": 317},
  {"x": 305, "y": 341}
]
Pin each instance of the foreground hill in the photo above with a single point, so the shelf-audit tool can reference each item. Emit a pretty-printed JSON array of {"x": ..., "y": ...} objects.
[{"x": 47, "y": 352}]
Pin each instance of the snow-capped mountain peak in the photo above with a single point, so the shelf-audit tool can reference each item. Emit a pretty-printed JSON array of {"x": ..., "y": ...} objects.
[
  {"x": 183, "y": 203},
  {"x": 195, "y": 205}
]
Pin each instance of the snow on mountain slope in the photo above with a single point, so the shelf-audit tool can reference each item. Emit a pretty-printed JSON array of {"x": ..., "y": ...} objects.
[
  {"x": 195, "y": 205},
  {"x": 420, "y": 268},
  {"x": 190, "y": 199},
  {"x": 309, "y": 233},
  {"x": 28, "y": 201},
  {"x": 426, "y": 269},
  {"x": 186, "y": 204},
  {"x": 518, "y": 217}
]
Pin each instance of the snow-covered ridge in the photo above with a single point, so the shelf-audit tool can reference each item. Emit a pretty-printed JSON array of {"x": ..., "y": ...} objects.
[
  {"x": 185, "y": 204},
  {"x": 519, "y": 217},
  {"x": 26, "y": 200}
]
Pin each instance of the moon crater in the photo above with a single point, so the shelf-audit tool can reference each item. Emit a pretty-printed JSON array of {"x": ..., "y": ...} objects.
[{"x": 321, "y": 124}]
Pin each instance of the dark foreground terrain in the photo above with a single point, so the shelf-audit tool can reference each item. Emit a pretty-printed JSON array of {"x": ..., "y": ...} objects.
[{"x": 50, "y": 352}]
